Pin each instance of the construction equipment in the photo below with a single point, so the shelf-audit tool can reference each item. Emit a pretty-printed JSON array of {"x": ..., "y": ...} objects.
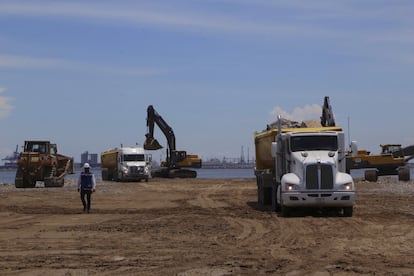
[
  {"x": 298, "y": 165},
  {"x": 40, "y": 161},
  {"x": 176, "y": 160},
  {"x": 392, "y": 160},
  {"x": 126, "y": 164}
]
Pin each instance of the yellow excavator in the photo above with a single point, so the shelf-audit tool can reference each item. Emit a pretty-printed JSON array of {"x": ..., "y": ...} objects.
[
  {"x": 392, "y": 160},
  {"x": 176, "y": 161}
]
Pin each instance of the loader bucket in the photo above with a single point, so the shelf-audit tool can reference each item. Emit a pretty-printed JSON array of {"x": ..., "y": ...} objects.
[{"x": 152, "y": 144}]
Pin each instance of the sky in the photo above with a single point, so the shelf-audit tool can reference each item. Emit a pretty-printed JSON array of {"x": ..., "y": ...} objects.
[{"x": 82, "y": 73}]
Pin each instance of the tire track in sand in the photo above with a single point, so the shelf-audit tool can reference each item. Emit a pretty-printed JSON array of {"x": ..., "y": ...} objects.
[{"x": 204, "y": 198}]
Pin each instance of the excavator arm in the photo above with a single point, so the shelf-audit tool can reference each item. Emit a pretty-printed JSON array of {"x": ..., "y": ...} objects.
[{"x": 150, "y": 142}]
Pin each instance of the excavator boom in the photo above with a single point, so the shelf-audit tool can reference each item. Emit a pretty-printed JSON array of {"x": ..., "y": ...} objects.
[{"x": 150, "y": 142}]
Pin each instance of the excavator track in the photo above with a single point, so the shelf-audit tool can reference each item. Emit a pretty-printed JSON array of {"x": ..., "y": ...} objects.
[
  {"x": 174, "y": 173},
  {"x": 181, "y": 173}
]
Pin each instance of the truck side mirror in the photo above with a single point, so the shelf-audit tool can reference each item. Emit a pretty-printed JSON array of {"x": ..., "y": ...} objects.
[{"x": 274, "y": 149}]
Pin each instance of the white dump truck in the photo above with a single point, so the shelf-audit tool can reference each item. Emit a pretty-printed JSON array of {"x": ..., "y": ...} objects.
[
  {"x": 303, "y": 166},
  {"x": 126, "y": 164}
]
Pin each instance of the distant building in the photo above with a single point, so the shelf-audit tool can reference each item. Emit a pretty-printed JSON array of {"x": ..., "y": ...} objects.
[{"x": 91, "y": 158}]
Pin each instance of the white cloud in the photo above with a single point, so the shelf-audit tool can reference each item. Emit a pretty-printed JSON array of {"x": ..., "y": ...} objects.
[
  {"x": 5, "y": 105},
  {"x": 299, "y": 114}
]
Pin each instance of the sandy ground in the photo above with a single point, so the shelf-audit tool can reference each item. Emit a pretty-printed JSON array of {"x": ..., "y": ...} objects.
[{"x": 201, "y": 227}]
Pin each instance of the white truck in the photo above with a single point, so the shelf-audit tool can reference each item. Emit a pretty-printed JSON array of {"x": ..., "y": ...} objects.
[
  {"x": 304, "y": 166},
  {"x": 126, "y": 164}
]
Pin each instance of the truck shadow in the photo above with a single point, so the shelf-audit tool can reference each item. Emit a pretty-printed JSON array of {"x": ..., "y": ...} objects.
[
  {"x": 298, "y": 212},
  {"x": 259, "y": 207}
]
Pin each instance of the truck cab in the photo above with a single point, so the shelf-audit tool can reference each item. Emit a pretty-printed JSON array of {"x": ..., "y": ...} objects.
[
  {"x": 134, "y": 164},
  {"x": 310, "y": 171},
  {"x": 303, "y": 165},
  {"x": 126, "y": 164}
]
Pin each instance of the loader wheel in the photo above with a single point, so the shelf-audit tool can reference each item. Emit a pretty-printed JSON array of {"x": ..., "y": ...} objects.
[
  {"x": 24, "y": 183},
  {"x": 404, "y": 174},
  {"x": 18, "y": 182},
  {"x": 371, "y": 175}
]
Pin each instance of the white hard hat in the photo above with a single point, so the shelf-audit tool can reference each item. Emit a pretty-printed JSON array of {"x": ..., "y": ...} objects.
[{"x": 86, "y": 166}]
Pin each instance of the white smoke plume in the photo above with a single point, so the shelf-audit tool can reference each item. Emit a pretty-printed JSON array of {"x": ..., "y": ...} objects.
[{"x": 299, "y": 114}]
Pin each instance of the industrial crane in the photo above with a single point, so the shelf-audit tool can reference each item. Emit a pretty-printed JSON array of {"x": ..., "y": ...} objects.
[{"x": 176, "y": 160}]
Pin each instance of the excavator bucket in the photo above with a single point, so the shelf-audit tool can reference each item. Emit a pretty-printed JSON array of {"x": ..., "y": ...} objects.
[{"x": 152, "y": 144}]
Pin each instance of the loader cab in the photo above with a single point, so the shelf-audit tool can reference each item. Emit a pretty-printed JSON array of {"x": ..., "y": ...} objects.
[
  {"x": 37, "y": 146},
  {"x": 53, "y": 149}
]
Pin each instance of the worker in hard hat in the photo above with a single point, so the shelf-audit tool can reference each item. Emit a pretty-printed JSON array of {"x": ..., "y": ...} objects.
[{"x": 86, "y": 186}]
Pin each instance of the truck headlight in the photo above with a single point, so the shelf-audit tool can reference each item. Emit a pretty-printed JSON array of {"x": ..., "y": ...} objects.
[
  {"x": 290, "y": 187},
  {"x": 125, "y": 170},
  {"x": 347, "y": 186}
]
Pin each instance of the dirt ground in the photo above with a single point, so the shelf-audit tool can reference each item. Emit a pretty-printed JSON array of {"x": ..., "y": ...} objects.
[{"x": 201, "y": 227}]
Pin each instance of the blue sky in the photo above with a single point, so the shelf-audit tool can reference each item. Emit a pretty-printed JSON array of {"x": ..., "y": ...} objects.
[{"x": 82, "y": 73}]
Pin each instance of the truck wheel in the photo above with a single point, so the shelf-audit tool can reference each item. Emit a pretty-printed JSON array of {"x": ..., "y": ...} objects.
[
  {"x": 371, "y": 175},
  {"x": 284, "y": 210},
  {"x": 275, "y": 205},
  {"x": 404, "y": 174},
  {"x": 115, "y": 176},
  {"x": 259, "y": 195},
  {"x": 104, "y": 172},
  {"x": 348, "y": 211}
]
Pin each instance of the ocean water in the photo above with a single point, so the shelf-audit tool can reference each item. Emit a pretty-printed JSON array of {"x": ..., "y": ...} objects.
[{"x": 7, "y": 176}]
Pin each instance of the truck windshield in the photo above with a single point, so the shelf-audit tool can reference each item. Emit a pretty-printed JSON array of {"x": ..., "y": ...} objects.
[
  {"x": 305, "y": 143},
  {"x": 134, "y": 157}
]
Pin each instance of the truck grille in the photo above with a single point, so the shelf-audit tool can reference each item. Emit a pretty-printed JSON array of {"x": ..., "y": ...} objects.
[
  {"x": 135, "y": 170},
  {"x": 319, "y": 176}
]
